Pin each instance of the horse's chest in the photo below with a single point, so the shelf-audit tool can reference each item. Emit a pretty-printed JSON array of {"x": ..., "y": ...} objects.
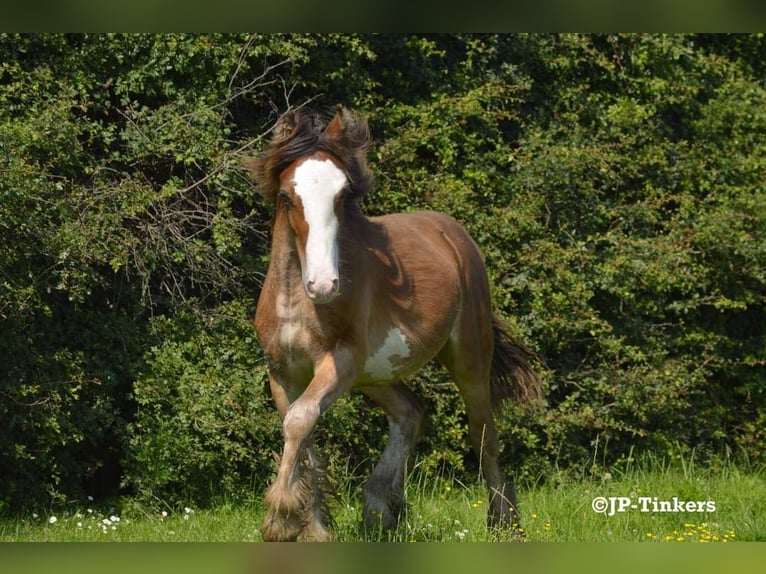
[
  {"x": 291, "y": 331},
  {"x": 294, "y": 329}
]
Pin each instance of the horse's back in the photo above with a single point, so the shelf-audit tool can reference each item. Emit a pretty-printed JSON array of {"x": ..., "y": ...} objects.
[
  {"x": 431, "y": 241},
  {"x": 430, "y": 269}
]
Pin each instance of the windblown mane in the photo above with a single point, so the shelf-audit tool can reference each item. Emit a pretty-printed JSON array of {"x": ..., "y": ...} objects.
[{"x": 302, "y": 132}]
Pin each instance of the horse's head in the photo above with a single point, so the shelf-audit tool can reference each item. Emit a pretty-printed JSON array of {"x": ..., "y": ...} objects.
[
  {"x": 311, "y": 171},
  {"x": 312, "y": 191}
]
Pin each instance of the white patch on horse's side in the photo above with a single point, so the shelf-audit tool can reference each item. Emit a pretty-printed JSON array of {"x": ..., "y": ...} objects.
[
  {"x": 381, "y": 365},
  {"x": 317, "y": 182}
]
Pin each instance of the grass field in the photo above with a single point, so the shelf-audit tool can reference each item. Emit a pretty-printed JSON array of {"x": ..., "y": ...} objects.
[{"x": 658, "y": 503}]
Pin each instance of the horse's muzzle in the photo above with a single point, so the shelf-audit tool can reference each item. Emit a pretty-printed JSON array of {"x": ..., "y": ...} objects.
[{"x": 323, "y": 292}]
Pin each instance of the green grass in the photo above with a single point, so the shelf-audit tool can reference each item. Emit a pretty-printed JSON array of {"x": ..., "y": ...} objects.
[{"x": 443, "y": 509}]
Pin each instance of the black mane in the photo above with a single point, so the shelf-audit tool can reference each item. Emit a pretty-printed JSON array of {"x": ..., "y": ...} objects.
[{"x": 302, "y": 132}]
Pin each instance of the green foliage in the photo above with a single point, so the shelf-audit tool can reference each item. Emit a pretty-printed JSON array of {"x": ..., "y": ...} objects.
[
  {"x": 647, "y": 258},
  {"x": 204, "y": 423},
  {"x": 120, "y": 200},
  {"x": 614, "y": 183}
]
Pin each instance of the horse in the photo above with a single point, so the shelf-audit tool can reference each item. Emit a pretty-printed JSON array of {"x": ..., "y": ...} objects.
[{"x": 351, "y": 302}]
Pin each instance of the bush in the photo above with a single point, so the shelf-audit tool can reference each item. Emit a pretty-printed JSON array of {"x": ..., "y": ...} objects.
[
  {"x": 204, "y": 423},
  {"x": 613, "y": 182}
]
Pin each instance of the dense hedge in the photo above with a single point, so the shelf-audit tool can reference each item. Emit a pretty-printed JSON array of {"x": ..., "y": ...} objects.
[{"x": 614, "y": 183}]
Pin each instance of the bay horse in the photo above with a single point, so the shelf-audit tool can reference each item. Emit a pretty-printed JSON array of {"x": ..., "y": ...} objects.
[{"x": 356, "y": 302}]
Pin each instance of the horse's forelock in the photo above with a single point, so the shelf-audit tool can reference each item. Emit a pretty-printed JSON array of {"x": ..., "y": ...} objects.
[{"x": 302, "y": 132}]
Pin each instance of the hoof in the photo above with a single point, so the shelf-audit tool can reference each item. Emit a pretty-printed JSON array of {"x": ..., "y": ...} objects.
[
  {"x": 277, "y": 528},
  {"x": 315, "y": 531},
  {"x": 383, "y": 516}
]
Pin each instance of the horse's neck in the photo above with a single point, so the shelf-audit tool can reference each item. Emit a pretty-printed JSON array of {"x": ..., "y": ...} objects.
[
  {"x": 356, "y": 230},
  {"x": 285, "y": 262}
]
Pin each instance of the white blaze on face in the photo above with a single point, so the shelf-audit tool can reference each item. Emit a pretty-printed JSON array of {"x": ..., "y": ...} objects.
[
  {"x": 382, "y": 364},
  {"x": 317, "y": 183}
]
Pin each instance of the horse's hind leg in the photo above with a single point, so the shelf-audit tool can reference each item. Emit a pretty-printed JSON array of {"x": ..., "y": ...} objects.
[
  {"x": 384, "y": 491},
  {"x": 469, "y": 364}
]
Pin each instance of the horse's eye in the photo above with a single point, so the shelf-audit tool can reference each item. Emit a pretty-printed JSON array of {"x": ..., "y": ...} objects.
[{"x": 285, "y": 198}]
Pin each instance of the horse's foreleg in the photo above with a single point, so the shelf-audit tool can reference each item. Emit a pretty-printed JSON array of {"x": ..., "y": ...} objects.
[
  {"x": 384, "y": 491},
  {"x": 285, "y": 514},
  {"x": 293, "y": 502},
  {"x": 318, "y": 524}
]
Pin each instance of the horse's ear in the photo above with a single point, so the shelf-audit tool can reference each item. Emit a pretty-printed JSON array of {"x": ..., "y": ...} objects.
[
  {"x": 285, "y": 126},
  {"x": 336, "y": 128},
  {"x": 349, "y": 127}
]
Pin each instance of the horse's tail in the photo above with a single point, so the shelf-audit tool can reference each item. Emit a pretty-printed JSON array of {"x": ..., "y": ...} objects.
[{"x": 512, "y": 375}]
